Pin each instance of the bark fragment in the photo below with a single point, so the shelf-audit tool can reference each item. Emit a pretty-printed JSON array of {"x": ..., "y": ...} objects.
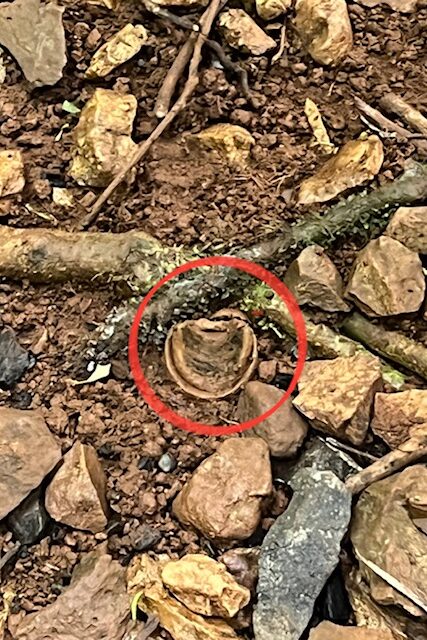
[{"x": 355, "y": 163}]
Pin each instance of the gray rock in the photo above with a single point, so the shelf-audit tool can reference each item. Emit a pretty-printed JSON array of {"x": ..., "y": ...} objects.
[
  {"x": 14, "y": 359},
  {"x": 299, "y": 554},
  {"x": 29, "y": 520},
  {"x": 167, "y": 463}
]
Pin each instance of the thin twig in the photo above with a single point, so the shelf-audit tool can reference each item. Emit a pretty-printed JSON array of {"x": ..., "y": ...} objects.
[
  {"x": 282, "y": 45},
  {"x": 9, "y": 555},
  {"x": 166, "y": 91},
  {"x": 345, "y": 447},
  {"x": 161, "y": 12},
  {"x": 380, "y": 119},
  {"x": 395, "y": 104},
  {"x": 231, "y": 66},
  {"x": 180, "y": 104}
]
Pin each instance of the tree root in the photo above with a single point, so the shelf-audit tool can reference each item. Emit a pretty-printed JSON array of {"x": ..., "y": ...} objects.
[
  {"x": 406, "y": 454},
  {"x": 392, "y": 345}
]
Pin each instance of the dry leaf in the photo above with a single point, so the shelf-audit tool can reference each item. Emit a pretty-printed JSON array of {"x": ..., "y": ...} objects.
[
  {"x": 355, "y": 163},
  {"x": 34, "y": 35},
  {"x": 316, "y": 123}
]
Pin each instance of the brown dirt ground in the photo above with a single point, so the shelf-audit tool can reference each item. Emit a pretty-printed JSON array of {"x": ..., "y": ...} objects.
[{"x": 179, "y": 203}]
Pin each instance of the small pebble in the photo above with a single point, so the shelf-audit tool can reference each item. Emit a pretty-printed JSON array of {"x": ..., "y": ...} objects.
[{"x": 167, "y": 463}]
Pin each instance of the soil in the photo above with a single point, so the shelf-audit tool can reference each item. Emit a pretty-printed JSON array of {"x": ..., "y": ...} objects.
[{"x": 179, "y": 201}]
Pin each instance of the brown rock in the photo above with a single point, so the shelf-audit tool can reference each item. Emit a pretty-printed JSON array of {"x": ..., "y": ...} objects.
[
  {"x": 242, "y": 32},
  {"x": 94, "y": 606},
  {"x": 204, "y": 586},
  {"x": 337, "y": 395},
  {"x": 11, "y": 172},
  {"x": 409, "y": 226},
  {"x": 387, "y": 279},
  {"x": 404, "y": 6},
  {"x": 330, "y": 631},
  {"x": 243, "y": 565},
  {"x": 181, "y": 3},
  {"x": 396, "y": 413},
  {"x": 34, "y": 34},
  {"x": 388, "y": 543},
  {"x": 144, "y": 579},
  {"x": 355, "y": 163},
  {"x": 102, "y": 137},
  {"x": 325, "y": 29},
  {"x": 229, "y": 140},
  {"x": 28, "y": 452},
  {"x": 125, "y": 44},
  {"x": 314, "y": 279},
  {"x": 224, "y": 496},
  {"x": 284, "y": 431},
  {"x": 271, "y": 9},
  {"x": 76, "y": 495}
]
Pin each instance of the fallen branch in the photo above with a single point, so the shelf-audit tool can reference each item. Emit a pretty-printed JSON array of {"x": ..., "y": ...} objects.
[
  {"x": 395, "y": 104},
  {"x": 203, "y": 291},
  {"x": 173, "y": 76},
  {"x": 406, "y": 454},
  {"x": 189, "y": 88},
  {"x": 392, "y": 345},
  {"x": 134, "y": 259}
]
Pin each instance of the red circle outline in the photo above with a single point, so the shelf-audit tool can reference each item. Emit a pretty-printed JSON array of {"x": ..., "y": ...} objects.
[{"x": 148, "y": 393}]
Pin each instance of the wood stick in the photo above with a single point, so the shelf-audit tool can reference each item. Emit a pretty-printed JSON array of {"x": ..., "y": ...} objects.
[
  {"x": 395, "y": 104},
  {"x": 164, "y": 97},
  {"x": 407, "y": 453},
  {"x": 382, "y": 121},
  {"x": 180, "y": 104},
  {"x": 392, "y": 345}
]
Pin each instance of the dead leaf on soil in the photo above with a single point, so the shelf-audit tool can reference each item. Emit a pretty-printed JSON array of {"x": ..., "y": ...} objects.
[
  {"x": 316, "y": 123},
  {"x": 34, "y": 35},
  {"x": 212, "y": 358},
  {"x": 146, "y": 586},
  {"x": 355, "y": 163}
]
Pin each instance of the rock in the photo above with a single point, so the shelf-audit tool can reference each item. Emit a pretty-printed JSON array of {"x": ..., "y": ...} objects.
[
  {"x": 223, "y": 498},
  {"x": 76, "y": 495},
  {"x": 355, "y": 163},
  {"x": 314, "y": 279},
  {"x": 409, "y": 226},
  {"x": 120, "y": 48},
  {"x": 28, "y": 452},
  {"x": 34, "y": 34},
  {"x": 212, "y": 358},
  {"x": 318, "y": 456},
  {"x": 14, "y": 359},
  {"x": 397, "y": 552},
  {"x": 267, "y": 370},
  {"x": 228, "y": 140},
  {"x": 144, "y": 537},
  {"x": 29, "y": 520},
  {"x": 167, "y": 463},
  {"x": 284, "y": 431},
  {"x": 204, "y": 586},
  {"x": 329, "y": 631},
  {"x": 12, "y": 178},
  {"x": 396, "y": 413},
  {"x": 243, "y": 565},
  {"x": 144, "y": 579},
  {"x": 181, "y": 3},
  {"x": 242, "y": 32},
  {"x": 404, "y": 6},
  {"x": 103, "y": 137},
  {"x": 325, "y": 29},
  {"x": 271, "y": 9},
  {"x": 299, "y": 553},
  {"x": 95, "y": 606},
  {"x": 337, "y": 395},
  {"x": 387, "y": 279},
  {"x": 63, "y": 197}
]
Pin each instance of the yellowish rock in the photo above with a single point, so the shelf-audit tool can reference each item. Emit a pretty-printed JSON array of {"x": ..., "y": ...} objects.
[
  {"x": 325, "y": 29},
  {"x": 357, "y": 162},
  {"x": 271, "y": 9},
  {"x": 229, "y": 140},
  {"x": 146, "y": 586},
  {"x": 103, "y": 137},
  {"x": 125, "y": 44},
  {"x": 63, "y": 197},
  {"x": 242, "y": 32},
  {"x": 11, "y": 172},
  {"x": 204, "y": 586}
]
